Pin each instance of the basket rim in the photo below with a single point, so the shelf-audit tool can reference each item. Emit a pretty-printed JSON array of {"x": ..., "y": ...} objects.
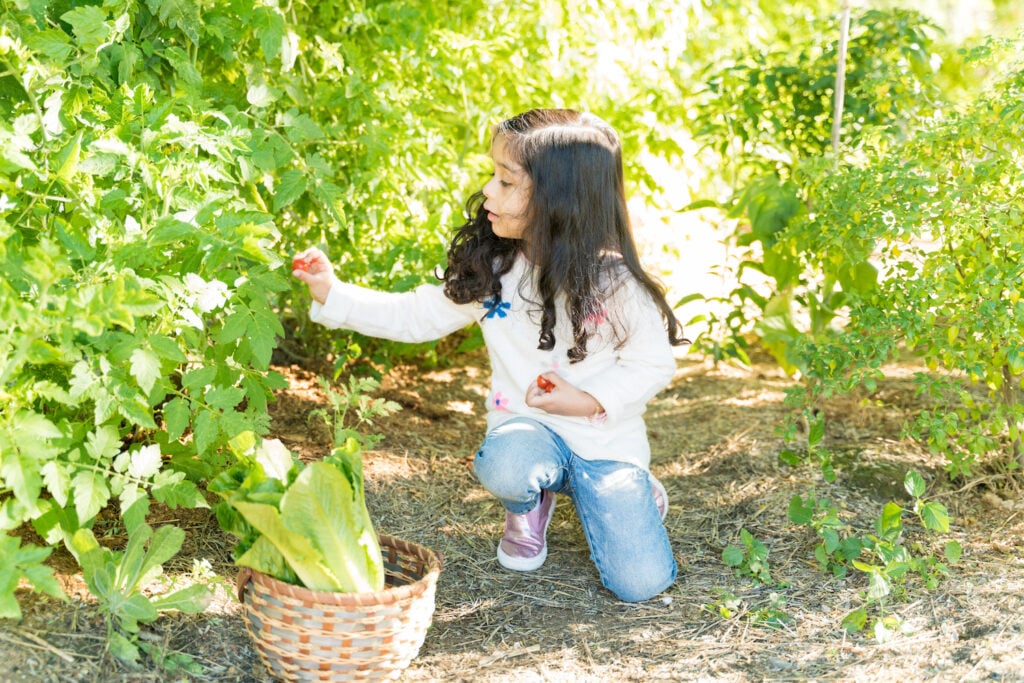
[{"x": 388, "y": 594}]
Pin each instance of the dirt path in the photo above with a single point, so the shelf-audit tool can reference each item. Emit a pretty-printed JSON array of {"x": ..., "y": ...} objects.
[{"x": 715, "y": 450}]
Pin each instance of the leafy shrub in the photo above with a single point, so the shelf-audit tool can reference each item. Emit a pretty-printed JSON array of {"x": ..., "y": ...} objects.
[
  {"x": 157, "y": 160},
  {"x": 137, "y": 282},
  {"x": 768, "y": 117},
  {"x": 941, "y": 211},
  {"x": 907, "y": 237}
]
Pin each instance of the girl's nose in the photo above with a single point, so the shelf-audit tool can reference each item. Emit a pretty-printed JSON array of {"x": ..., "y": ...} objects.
[{"x": 488, "y": 188}]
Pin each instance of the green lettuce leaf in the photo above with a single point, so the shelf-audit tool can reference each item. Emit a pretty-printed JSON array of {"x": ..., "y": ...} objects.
[
  {"x": 322, "y": 506},
  {"x": 298, "y": 551}
]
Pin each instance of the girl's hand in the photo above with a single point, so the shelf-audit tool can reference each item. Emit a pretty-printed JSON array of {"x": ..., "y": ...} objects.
[
  {"x": 554, "y": 395},
  {"x": 312, "y": 267}
]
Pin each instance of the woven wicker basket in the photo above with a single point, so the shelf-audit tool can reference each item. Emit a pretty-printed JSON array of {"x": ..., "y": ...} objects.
[{"x": 305, "y": 635}]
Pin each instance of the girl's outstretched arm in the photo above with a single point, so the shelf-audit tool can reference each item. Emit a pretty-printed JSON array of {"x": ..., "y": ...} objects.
[
  {"x": 424, "y": 314},
  {"x": 314, "y": 268}
]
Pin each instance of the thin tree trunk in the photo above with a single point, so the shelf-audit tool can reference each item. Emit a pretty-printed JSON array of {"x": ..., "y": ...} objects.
[
  {"x": 1009, "y": 401},
  {"x": 840, "y": 89}
]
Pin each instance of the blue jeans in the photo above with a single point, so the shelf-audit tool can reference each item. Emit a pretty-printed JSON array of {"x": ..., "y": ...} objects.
[{"x": 615, "y": 504}]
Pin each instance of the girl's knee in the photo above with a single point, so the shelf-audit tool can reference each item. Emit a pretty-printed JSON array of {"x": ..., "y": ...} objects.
[
  {"x": 511, "y": 443},
  {"x": 641, "y": 586}
]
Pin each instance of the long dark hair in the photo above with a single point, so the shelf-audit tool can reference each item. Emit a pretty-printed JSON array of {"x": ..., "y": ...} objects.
[{"x": 579, "y": 234}]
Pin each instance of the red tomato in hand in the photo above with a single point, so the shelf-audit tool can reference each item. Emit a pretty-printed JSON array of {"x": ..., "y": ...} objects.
[
  {"x": 545, "y": 384},
  {"x": 302, "y": 263}
]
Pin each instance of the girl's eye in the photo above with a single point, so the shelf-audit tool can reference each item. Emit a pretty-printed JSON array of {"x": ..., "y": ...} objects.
[{"x": 503, "y": 183}]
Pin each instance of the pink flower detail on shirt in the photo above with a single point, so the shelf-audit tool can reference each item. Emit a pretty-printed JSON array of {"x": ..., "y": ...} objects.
[{"x": 500, "y": 402}]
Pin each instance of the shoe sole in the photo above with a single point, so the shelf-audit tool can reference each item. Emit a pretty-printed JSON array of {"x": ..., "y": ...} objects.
[{"x": 528, "y": 564}]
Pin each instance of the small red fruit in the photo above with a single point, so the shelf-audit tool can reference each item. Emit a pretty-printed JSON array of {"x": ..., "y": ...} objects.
[
  {"x": 545, "y": 384},
  {"x": 302, "y": 263}
]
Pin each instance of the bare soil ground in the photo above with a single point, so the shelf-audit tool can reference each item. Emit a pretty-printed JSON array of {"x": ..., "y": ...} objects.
[{"x": 715, "y": 449}]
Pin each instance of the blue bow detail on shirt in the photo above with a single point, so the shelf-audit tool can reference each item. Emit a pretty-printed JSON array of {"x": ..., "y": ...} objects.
[{"x": 496, "y": 306}]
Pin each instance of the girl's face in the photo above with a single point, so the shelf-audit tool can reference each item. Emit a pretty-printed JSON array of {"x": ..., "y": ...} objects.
[{"x": 507, "y": 193}]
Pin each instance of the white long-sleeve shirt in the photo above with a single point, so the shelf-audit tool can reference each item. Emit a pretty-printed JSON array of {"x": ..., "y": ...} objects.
[{"x": 622, "y": 378}]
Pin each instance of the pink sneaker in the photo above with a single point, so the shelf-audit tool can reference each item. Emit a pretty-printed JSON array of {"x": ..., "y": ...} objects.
[
  {"x": 524, "y": 547},
  {"x": 660, "y": 496}
]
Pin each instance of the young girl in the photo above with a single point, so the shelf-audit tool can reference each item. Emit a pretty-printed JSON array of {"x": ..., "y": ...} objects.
[{"x": 579, "y": 338}]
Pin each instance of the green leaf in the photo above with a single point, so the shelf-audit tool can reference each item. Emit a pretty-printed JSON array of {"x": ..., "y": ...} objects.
[
  {"x": 733, "y": 556},
  {"x": 263, "y": 331},
  {"x": 235, "y": 325},
  {"x": 914, "y": 484},
  {"x": 68, "y": 158},
  {"x": 89, "y": 26},
  {"x": 87, "y": 551},
  {"x": 856, "y": 620},
  {"x": 205, "y": 430},
  {"x": 271, "y": 31},
  {"x": 1015, "y": 361},
  {"x": 224, "y": 398},
  {"x": 862, "y": 277},
  {"x": 817, "y": 431},
  {"x": 275, "y": 459},
  {"x": 179, "y": 494},
  {"x": 169, "y": 230},
  {"x": 831, "y": 539},
  {"x": 878, "y": 585},
  {"x": 700, "y": 204},
  {"x": 123, "y": 648},
  {"x": 51, "y": 42},
  {"x": 167, "y": 348},
  {"x": 891, "y": 519},
  {"x": 137, "y": 410},
  {"x": 129, "y": 568},
  {"x": 200, "y": 378},
  {"x": 145, "y": 368},
  {"x": 799, "y": 512},
  {"x": 27, "y": 562},
  {"x": 165, "y": 544},
  {"x": 134, "y": 517},
  {"x": 302, "y": 128},
  {"x": 696, "y": 296},
  {"x": 935, "y": 517},
  {"x": 289, "y": 188},
  {"x": 302, "y": 556},
  {"x": 58, "y": 481},
  {"x": 790, "y": 457},
  {"x": 180, "y": 14},
  {"x": 264, "y": 556},
  {"x": 135, "y": 609},
  {"x": 91, "y": 493},
  {"x": 182, "y": 64},
  {"x": 191, "y": 599},
  {"x": 953, "y": 552},
  {"x": 176, "y": 417},
  {"x": 28, "y": 423},
  {"x": 850, "y": 548},
  {"x": 42, "y": 579}
]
